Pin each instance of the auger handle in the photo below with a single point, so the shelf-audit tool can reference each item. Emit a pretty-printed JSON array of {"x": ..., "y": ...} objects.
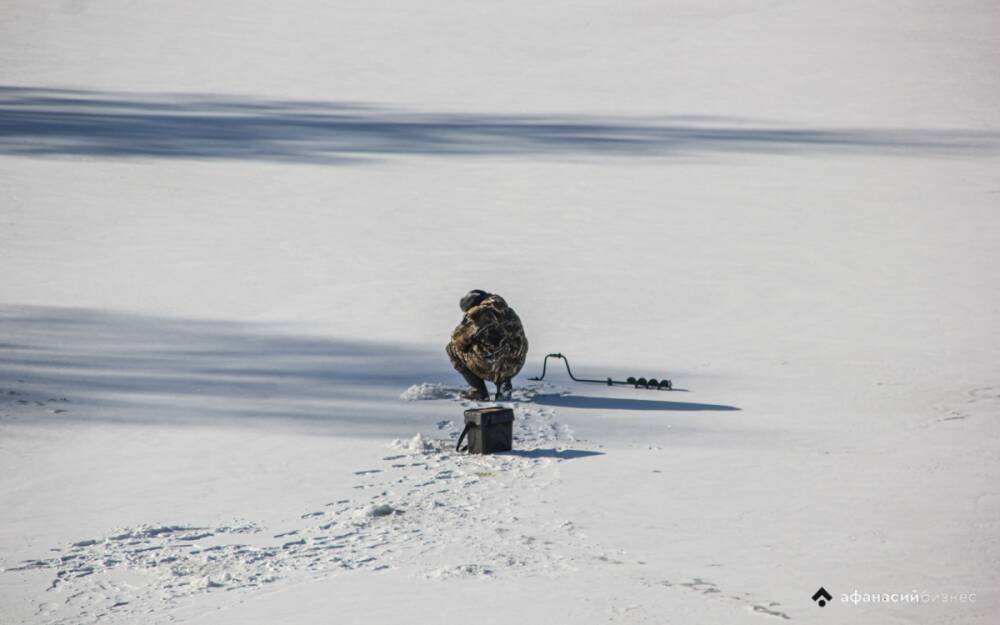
[
  {"x": 640, "y": 383},
  {"x": 545, "y": 364}
]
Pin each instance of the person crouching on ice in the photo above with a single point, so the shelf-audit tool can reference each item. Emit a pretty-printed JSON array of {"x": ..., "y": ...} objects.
[{"x": 489, "y": 344}]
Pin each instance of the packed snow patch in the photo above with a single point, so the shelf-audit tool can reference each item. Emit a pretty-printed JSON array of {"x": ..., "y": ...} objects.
[
  {"x": 418, "y": 444},
  {"x": 427, "y": 390},
  {"x": 461, "y": 571},
  {"x": 377, "y": 510}
]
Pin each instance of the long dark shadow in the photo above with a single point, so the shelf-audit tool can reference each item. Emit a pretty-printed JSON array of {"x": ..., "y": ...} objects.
[
  {"x": 54, "y": 122},
  {"x": 558, "y": 454},
  {"x": 68, "y": 365},
  {"x": 615, "y": 403}
]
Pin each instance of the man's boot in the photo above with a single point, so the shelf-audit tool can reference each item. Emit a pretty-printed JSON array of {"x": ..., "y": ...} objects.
[
  {"x": 504, "y": 387},
  {"x": 478, "y": 390}
]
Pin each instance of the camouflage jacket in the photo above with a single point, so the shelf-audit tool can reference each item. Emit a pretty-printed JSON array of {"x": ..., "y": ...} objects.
[{"x": 490, "y": 341}]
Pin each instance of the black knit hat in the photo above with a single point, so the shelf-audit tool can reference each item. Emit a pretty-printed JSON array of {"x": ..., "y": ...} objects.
[{"x": 472, "y": 298}]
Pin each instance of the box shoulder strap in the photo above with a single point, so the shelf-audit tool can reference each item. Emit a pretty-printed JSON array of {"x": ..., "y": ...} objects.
[{"x": 468, "y": 426}]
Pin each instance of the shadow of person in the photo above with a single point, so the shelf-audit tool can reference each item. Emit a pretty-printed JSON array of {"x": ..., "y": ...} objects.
[
  {"x": 559, "y": 454},
  {"x": 616, "y": 403}
]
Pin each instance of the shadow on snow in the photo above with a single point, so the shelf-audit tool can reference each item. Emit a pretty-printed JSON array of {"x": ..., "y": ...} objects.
[
  {"x": 146, "y": 369},
  {"x": 558, "y": 454},
  {"x": 54, "y": 122},
  {"x": 142, "y": 369},
  {"x": 615, "y": 403}
]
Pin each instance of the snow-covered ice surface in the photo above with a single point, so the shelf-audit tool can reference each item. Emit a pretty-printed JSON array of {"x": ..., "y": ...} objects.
[
  {"x": 233, "y": 236},
  {"x": 425, "y": 509}
]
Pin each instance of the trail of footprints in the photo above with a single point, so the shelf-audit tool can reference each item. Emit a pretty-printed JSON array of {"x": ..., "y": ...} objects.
[
  {"x": 982, "y": 401},
  {"x": 709, "y": 588},
  {"x": 422, "y": 507},
  {"x": 18, "y": 404}
]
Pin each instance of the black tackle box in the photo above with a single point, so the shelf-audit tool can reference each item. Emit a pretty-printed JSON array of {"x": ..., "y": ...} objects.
[{"x": 490, "y": 430}]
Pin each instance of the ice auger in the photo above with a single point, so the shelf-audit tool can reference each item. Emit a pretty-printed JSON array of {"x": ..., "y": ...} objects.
[{"x": 651, "y": 383}]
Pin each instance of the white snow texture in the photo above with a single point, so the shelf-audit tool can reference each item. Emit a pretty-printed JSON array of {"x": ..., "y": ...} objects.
[{"x": 234, "y": 236}]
